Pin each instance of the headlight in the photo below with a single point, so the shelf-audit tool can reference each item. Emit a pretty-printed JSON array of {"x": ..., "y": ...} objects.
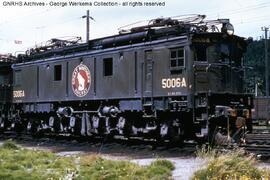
[
  {"x": 230, "y": 29},
  {"x": 227, "y": 28}
]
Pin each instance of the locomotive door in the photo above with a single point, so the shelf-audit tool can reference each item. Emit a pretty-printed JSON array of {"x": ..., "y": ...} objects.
[{"x": 148, "y": 77}]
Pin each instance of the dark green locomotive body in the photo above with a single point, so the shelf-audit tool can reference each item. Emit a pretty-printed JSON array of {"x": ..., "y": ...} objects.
[{"x": 166, "y": 81}]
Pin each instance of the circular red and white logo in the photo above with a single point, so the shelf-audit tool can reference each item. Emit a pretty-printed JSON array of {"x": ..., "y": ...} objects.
[{"x": 81, "y": 80}]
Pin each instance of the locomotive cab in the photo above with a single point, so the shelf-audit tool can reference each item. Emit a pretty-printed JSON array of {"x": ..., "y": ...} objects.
[{"x": 220, "y": 102}]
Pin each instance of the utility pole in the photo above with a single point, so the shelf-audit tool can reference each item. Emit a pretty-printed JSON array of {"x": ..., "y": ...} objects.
[
  {"x": 87, "y": 16},
  {"x": 265, "y": 29},
  {"x": 87, "y": 25}
]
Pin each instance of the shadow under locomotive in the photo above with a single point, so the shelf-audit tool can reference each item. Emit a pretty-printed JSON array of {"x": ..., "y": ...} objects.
[{"x": 172, "y": 79}]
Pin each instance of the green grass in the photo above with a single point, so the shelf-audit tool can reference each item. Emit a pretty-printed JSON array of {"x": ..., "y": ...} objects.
[
  {"x": 94, "y": 167},
  {"x": 20, "y": 163},
  {"x": 231, "y": 165}
]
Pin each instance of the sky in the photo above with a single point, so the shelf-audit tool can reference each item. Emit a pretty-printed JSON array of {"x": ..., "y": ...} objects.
[{"x": 32, "y": 25}]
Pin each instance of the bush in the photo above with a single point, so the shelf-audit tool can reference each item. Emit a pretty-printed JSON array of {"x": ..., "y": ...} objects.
[
  {"x": 10, "y": 144},
  {"x": 231, "y": 165}
]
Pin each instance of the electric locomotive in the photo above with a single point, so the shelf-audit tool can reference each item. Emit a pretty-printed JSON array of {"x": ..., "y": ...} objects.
[{"x": 172, "y": 79}]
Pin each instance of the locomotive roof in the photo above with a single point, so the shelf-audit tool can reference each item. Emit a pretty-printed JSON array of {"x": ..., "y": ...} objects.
[
  {"x": 157, "y": 29},
  {"x": 6, "y": 59}
]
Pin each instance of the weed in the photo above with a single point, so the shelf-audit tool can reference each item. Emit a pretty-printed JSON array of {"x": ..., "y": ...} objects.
[
  {"x": 206, "y": 152},
  {"x": 231, "y": 165}
]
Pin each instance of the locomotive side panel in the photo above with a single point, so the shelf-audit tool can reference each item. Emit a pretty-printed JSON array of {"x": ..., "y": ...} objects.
[
  {"x": 44, "y": 77},
  {"x": 47, "y": 82},
  {"x": 132, "y": 59},
  {"x": 169, "y": 81},
  {"x": 110, "y": 76},
  {"x": 25, "y": 84},
  {"x": 52, "y": 81},
  {"x": 113, "y": 76},
  {"x": 146, "y": 71}
]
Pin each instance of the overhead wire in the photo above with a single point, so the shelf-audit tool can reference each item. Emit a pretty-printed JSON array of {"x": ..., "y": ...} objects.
[
  {"x": 240, "y": 10},
  {"x": 244, "y": 10},
  {"x": 225, "y": 12}
]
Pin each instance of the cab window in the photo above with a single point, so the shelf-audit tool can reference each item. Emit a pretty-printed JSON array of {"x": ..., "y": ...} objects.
[{"x": 177, "y": 60}]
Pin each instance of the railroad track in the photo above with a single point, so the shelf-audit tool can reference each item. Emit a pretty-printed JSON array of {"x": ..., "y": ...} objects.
[
  {"x": 132, "y": 147},
  {"x": 258, "y": 144},
  {"x": 258, "y": 138}
]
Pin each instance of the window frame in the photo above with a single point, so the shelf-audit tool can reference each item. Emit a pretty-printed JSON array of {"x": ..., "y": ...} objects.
[
  {"x": 177, "y": 69},
  {"x": 55, "y": 74},
  {"x": 104, "y": 67}
]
